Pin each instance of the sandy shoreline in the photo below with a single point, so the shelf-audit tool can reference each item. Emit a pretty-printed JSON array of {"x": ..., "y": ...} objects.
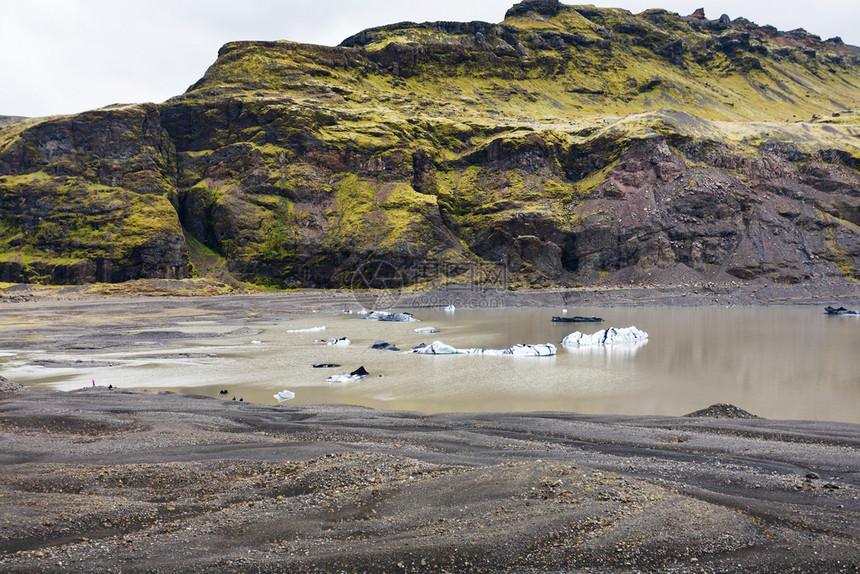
[
  {"x": 139, "y": 481},
  {"x": 136, "y": 481}
]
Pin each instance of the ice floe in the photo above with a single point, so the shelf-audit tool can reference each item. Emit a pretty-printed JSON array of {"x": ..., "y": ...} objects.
[
  {"x": 342, "y": 342},
  {"x": 440, "y": 348},
  {"x": 383, "y": 346},
  {"x": 285, "y": 395},
  {"x": 842, "y": 311},
  {"x": 309, "y": 330},
  {"x": 426, "y": 330},
  {"x": 390, "y": 317},
  {"x": 611, "y": 336},
  {"x": 352, "y": 377}
]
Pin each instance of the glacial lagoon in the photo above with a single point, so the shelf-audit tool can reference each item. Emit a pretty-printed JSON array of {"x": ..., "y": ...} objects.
[{"x": 777, "y": 362}]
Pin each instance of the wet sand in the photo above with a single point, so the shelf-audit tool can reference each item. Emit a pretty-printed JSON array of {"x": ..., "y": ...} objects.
[{"x": 139, "y": 481}]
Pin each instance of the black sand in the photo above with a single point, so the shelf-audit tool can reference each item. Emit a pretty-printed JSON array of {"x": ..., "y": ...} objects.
[{"x": 133, "y": 481}]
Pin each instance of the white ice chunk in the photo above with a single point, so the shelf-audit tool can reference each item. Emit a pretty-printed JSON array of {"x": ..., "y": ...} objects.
[
  {"x": 436, "y": 348},
  {"x": 609, "y": 336},
  {"x": 352, "y": 377},
  {"x": 309, "y": 330},
  {"x": 440, "y": 348},
  {"x": 426, "y": 330},
  {"x": 285, "y": 395},
  {"x": 390, "y": 317},
  {"x": 546, "y": 350},
  {"x": 342, "y": 342}
]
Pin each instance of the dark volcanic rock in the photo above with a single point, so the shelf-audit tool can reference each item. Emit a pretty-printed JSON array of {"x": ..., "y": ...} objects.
[
  {"x": 699, "y": 14},
  {"x": 722, "y": 411}
]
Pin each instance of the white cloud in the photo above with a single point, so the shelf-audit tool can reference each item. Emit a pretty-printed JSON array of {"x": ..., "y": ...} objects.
[{"x": 66, "y": 56}]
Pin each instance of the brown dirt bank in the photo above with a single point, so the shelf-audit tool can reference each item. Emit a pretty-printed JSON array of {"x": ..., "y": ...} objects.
[{"x": 101, "y": 480}]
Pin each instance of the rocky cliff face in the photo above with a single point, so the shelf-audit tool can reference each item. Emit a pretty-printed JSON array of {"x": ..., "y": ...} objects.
[
  {"x": 566, "y": 145},
  {"x": 90, "y": 198}
]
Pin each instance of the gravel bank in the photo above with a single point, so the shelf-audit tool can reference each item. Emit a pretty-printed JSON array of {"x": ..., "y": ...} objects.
[{"x": 134, "y": 481}]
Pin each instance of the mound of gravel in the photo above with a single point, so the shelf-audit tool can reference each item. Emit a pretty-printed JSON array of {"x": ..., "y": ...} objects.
[
  {"x": 723, "y": 411},
  {"x": 7, "y": 386}
]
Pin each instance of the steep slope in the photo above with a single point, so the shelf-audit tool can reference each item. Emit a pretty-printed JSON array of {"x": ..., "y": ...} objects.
[
  {"x": 89, "y": 198},
  {"x": 568, "y": 144}
]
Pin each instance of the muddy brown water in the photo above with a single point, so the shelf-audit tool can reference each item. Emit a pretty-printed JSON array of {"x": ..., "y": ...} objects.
[{"x": 778, "y": 362}]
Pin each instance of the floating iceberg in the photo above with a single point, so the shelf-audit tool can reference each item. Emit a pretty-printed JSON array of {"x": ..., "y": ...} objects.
[
  {"x": 426, "y": 330},
  {"x": 437, "y": 348},
  {"x": 391, "y": 317},
  {"x": 440, "y": 348},
  {"x": 285, "y": 395},
  {"x": 611, "y": 336},
  {"x": 342, "y": 342},
  {"x": 842, "y": 311},
  {"x": 310, "y": 330},
  {"x": 352, "y": 377},
  {"x": 383, "y": 346}
]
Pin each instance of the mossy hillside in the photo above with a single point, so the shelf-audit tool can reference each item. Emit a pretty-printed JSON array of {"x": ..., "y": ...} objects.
[
  {"x": 583, "y": 61},
  {"x": 269, "y": 218},
  {"x": 390, "y": 219},
  {"x": 292, "y": 205},
  {"x": 99, "y": 188},
  {"x": 476, "y": 143},
  {"x": 77, "y": 220}
]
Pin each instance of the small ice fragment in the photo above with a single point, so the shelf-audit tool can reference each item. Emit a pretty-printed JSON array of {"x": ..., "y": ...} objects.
[
  {"x": 391, "y": 317},
  {"x": 426, "y": 330},
  {"x": 342, "y": 342},
  {"x": 383, "y": 346},
  {"x": 352, "y": 377},
  {"x": 309, "y": 330}
]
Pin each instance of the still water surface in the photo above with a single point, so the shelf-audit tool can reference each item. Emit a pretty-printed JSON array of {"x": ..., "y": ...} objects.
[{"x": 777, "y": 362}]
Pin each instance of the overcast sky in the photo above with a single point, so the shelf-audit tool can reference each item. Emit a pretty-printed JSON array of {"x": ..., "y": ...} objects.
[{"x": 67, "y": 56}]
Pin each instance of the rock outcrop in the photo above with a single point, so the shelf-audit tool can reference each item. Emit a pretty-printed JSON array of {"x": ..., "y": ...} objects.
[
  {"x": 565, "y": 145},
  {"x": 90, "y": 198}
]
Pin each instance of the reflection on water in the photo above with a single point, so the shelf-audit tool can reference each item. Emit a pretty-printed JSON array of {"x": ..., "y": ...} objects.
[
  {"x": 620, "y": 351},
  {"x": 778, "y": 362}
]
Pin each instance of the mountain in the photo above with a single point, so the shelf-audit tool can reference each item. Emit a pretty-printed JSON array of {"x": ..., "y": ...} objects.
[{"x": 566, "y": 145}]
